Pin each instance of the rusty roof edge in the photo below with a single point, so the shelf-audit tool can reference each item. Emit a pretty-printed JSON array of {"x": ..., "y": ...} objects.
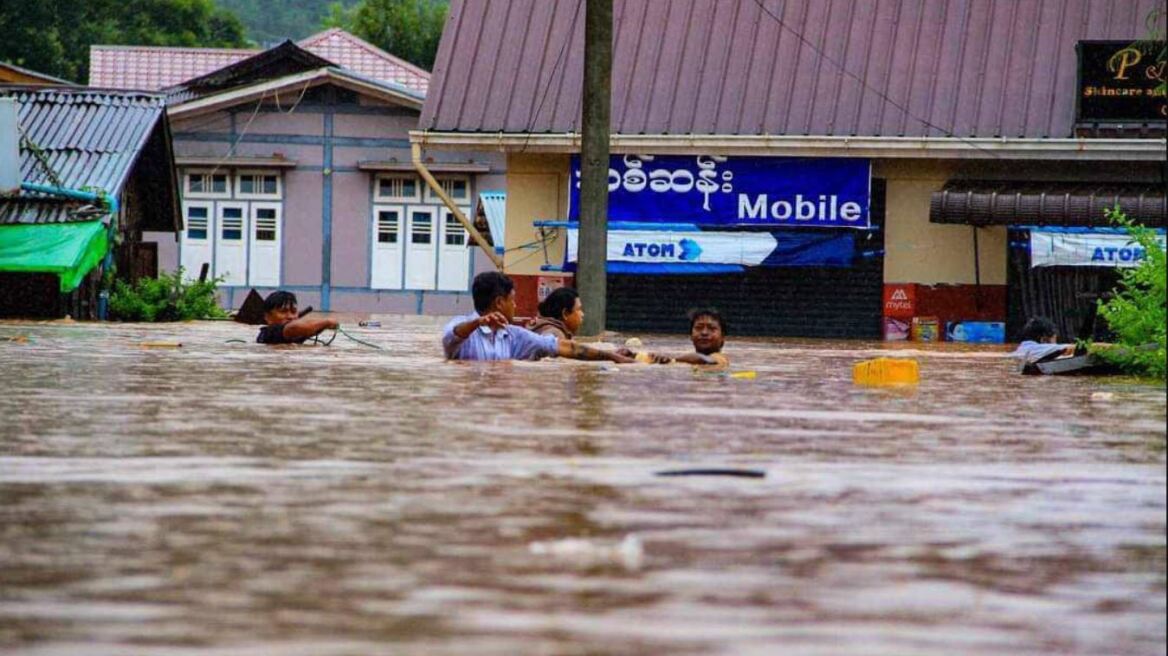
[
  {"x": 242, "y": 94},
  {"x": 810, "y": 146}
]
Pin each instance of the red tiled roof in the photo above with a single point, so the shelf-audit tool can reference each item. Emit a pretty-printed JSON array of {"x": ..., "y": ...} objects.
[
  {"x": 348, "y": 51},
  {"x": 773, "y": 67},
  {"x": 152, "y": 68}
]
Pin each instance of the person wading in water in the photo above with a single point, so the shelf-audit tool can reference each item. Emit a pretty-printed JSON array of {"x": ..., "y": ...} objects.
[{"x": 489, "y": 335}]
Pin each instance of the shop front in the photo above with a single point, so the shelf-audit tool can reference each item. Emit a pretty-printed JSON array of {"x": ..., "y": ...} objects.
[{"x": 784, "y": 246}]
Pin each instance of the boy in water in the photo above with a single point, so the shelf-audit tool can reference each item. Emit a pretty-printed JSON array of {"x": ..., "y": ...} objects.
[
  {"x": 489, "y": 335},
  {"x": 1039, "y": 342},
  {"x": 707, "y": 331},
  {"x": 284, "y": 325}
]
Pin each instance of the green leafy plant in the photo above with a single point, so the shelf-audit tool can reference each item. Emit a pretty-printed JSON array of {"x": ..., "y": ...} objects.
[
  {"x": 1136, "y": 311},
  {"x": 165, "y": 298}
]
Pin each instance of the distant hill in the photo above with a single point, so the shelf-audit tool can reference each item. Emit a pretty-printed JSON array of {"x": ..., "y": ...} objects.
[{"x": 272, "y": 21}]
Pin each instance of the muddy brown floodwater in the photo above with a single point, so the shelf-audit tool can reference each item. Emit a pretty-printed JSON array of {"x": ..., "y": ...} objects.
[{"x": 228, "y": 498}]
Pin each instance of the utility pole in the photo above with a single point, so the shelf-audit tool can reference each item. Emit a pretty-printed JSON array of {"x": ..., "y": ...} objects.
[{"x": 592, "y": 264}]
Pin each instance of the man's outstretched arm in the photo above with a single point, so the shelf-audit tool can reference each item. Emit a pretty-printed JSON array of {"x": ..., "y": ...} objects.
[
  {"x": 567, "y": 348},
  {"x": 304, "y": 328}
]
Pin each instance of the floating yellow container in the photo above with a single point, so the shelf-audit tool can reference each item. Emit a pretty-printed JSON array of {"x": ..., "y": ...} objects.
[{"x": 886, "y": 371}]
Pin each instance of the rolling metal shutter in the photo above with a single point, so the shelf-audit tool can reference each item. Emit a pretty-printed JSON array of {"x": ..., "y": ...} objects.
[{"x": 779, "y": 302}]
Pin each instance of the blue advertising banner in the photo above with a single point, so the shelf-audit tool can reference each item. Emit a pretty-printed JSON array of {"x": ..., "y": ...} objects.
[
  {"x": 672, "y": 248},
  {"x": 755, "y": 191}
]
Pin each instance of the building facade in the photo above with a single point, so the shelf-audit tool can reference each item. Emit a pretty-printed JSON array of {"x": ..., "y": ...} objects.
[
  {"x": 102, "y": 167},
  {"x": 295, "y": 171},
  {"x": 940, "y": 99}
]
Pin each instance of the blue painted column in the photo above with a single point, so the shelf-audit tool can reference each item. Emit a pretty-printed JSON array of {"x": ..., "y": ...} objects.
[{"x": 326, "y": 237}]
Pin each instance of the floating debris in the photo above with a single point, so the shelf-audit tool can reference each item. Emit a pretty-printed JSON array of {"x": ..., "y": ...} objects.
[
  {"x": 587, "y": 554},
  {"x": 714, "y": 471}
]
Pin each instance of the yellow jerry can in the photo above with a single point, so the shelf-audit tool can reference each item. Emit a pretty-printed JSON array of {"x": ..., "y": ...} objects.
[{"x": 886, "y": 371}]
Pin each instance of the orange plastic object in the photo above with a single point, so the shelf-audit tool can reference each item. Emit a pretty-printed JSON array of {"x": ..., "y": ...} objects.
[{"x": 886, "y": 371}]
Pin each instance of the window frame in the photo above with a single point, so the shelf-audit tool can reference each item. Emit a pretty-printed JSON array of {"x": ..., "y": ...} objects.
[
  {"x": 241, "y": 173},
  {"x": 448, "y": 218},
  {"x": 187, "y": 174},
  {"x": 400, "y": 230},
  {"x": 210, "y": 219},
  {"x": 221, "y": 221},
  {"x": 432, "y": 231},
  {"x": 432, "y": 197},
  {"x": 384, "y": 199},
  {"x": 253, "y": 219}
]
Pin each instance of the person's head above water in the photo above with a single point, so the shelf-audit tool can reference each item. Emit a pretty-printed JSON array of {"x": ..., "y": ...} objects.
[
  {"x": 494, "y": 292},
  {"x": 1039, "y": 329},
  {"x": 564, "y": 305},
  {"x": 707, "y": 330},
  {"x": 279, "y": 307}
]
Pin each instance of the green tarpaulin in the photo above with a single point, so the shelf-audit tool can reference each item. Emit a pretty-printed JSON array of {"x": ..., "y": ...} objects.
[{"x": 69, "y": 250}]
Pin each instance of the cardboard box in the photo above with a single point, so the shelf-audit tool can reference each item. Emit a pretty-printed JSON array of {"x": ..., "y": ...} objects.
[
  {"x": 926, "y": 329},
  {"x": 976, "y": 332},
  {"x": 895, "y": 330}
]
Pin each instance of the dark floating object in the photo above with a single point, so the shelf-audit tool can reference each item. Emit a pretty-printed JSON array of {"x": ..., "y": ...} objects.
[
  {"x": 252, "y": 310},
  {"x": 1079, "y": 365},
  {"x": 740, "y": 473}
]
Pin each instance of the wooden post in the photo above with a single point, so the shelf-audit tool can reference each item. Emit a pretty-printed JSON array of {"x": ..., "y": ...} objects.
[{"x": 592, "y": 269}]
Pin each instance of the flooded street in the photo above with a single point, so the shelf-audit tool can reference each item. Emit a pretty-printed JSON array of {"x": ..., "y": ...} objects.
[{"x": 230, "y": 498}]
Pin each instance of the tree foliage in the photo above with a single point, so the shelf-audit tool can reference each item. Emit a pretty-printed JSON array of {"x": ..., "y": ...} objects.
[
  {"x": 1136, "y": 312},
  {"x": 409, "y": 29},
  {"x": 53, "y": 36},
  {"x": 165, "y": 298},
  {"x": 272, "y": 21}
]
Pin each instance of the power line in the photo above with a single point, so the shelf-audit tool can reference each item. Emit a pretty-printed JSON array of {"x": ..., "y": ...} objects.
[
  {"x": 552, "y": 76},
  {"x": 885, "y": 97}
]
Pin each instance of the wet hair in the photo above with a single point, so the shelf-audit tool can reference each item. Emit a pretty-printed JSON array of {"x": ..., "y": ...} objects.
[
  {"x": 279, "y": 300},
  {"x": 710, "y": 312},
  {"x": 488, "y": 286},
  {"x": 558, "y": 303},
  {"x": 1038, "y": 329}
]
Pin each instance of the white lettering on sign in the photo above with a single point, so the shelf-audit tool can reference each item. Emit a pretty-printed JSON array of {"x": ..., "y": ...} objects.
[
  {"x": 706, "y": 178},
  {"x": 824, "y": 209}
]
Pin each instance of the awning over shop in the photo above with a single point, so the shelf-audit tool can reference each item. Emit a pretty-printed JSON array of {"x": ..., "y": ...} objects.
[
  {"x": 1045, "y": 204},
  {"x": 69, "y": 250}
]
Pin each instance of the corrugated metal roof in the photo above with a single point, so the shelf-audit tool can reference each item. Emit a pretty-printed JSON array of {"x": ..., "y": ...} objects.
[
  {"x": 493, "y": 207},
  {"x": 929, "y": 68},
  {"x": 1051, "y": 203},
  {"x": 89, "y": 138}
]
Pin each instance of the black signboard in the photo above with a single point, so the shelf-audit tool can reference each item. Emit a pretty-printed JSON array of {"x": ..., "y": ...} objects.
[{"x": 1121, "y": 81}]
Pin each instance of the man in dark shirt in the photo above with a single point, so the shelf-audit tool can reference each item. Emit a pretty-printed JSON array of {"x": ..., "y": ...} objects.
[{"x": 284, "y": 325}]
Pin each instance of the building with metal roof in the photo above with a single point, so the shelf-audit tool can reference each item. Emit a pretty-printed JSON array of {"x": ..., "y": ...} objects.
[
  {"x": 112, "y": 143},
  {"x": 296, "y": 173},
  {"x": 792, "y": 68},
  {"x": 938, "y": 97}
]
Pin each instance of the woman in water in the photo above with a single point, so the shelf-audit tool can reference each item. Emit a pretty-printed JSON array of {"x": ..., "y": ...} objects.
[{"x": 560, "y": 314}]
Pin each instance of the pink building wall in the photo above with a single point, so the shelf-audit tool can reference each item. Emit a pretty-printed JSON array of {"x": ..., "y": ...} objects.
[{"x": 363, "y": 132}]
